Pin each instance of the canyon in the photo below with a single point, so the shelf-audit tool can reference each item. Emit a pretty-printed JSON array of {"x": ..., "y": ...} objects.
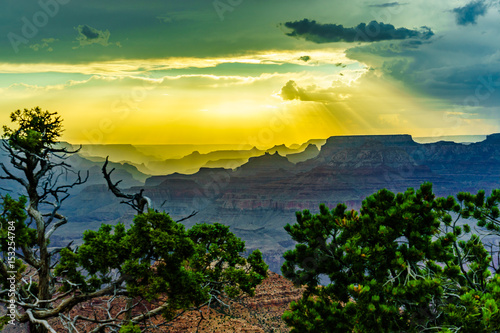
[{"x": 258, "y": 198}]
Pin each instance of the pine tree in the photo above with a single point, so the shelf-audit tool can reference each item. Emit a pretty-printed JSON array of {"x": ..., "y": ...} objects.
[
  {"x": 403, "y": 263},
  {"x": 156, "y": 259}
]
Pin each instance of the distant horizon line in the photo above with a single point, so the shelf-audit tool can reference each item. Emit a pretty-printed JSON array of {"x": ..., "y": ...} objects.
[{"x": 426, "y": 139}]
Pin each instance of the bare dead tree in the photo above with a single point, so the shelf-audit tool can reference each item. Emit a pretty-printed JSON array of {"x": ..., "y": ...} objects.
[
  {"x": 40, "y": 166},
  {"x": 51, "y": 285},
  {"x": 137, "y": 201},
  {"x": 193, "y": 213}
]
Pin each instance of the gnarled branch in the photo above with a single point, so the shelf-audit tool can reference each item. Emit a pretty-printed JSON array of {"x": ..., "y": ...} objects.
[{"x": 137, "y": 201}]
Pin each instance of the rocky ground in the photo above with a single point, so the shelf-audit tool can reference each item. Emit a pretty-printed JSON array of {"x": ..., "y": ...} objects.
[{"x": 258, "y": 314}]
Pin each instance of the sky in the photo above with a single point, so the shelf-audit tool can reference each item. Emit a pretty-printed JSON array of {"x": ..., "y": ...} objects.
[{"x": 258, "y": 72}]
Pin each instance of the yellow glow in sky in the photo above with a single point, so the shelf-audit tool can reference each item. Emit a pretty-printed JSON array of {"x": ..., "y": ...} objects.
[{"x": 239, "y": 99}]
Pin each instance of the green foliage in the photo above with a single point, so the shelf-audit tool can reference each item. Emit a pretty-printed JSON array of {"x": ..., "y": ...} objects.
[
  {"x": 477, "y": 311},
  {"x": 15, "y": 213},
  {"x": 37, "y": 129},
  {"x": 14, "y": 234},
  {"x": 217, "y": 254},
  {"x": 190, "y": 267},
  {"x": 484, "y": 209},
  {"x": 401, "y": 264},
  {"x": 3, "y": 321},
  {"x": 155, "y": 259},
  {"x": 130, "y": 328}
]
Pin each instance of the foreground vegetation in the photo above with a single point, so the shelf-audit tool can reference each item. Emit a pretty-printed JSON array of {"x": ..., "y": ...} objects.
[
  {"x": 155, "y": 260},
  {"x": 405, "y": 262}
]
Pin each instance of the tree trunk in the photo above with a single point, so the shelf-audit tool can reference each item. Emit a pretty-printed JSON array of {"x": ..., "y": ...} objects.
[
  {"x": 44, "y": 268},
  {"x": 44, "y": 276}
]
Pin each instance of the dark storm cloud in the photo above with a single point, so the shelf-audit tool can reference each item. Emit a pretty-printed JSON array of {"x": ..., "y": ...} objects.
[
  {"x": 469, "y": 13},
  {"x": 291, "y": 91},
  {"x": 453, "y": 73},
  {"x": 131, "y": 22},
  {"x": 387, "y": 4},
  {"x": 89, "y": 32},
  {"x": 372, "y": 32},
  {"x": 88, "y": 35}
]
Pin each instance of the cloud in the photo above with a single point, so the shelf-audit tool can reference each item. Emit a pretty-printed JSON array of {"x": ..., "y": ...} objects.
[
  {"x": 88, "y": 35},
  {"x": 387, "y": 4},
  {"x": 469, "y": 13},
  {"x": 305, "y": 58},
  {"x": 44, "y": 44},
  {"x": 89, "y": 32},
  {"x": 291, "y": 91},
  {"x": 137, "y": 66},
  {"x": 460, "y": 69},
  {"x": 371, "y": 32}
]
